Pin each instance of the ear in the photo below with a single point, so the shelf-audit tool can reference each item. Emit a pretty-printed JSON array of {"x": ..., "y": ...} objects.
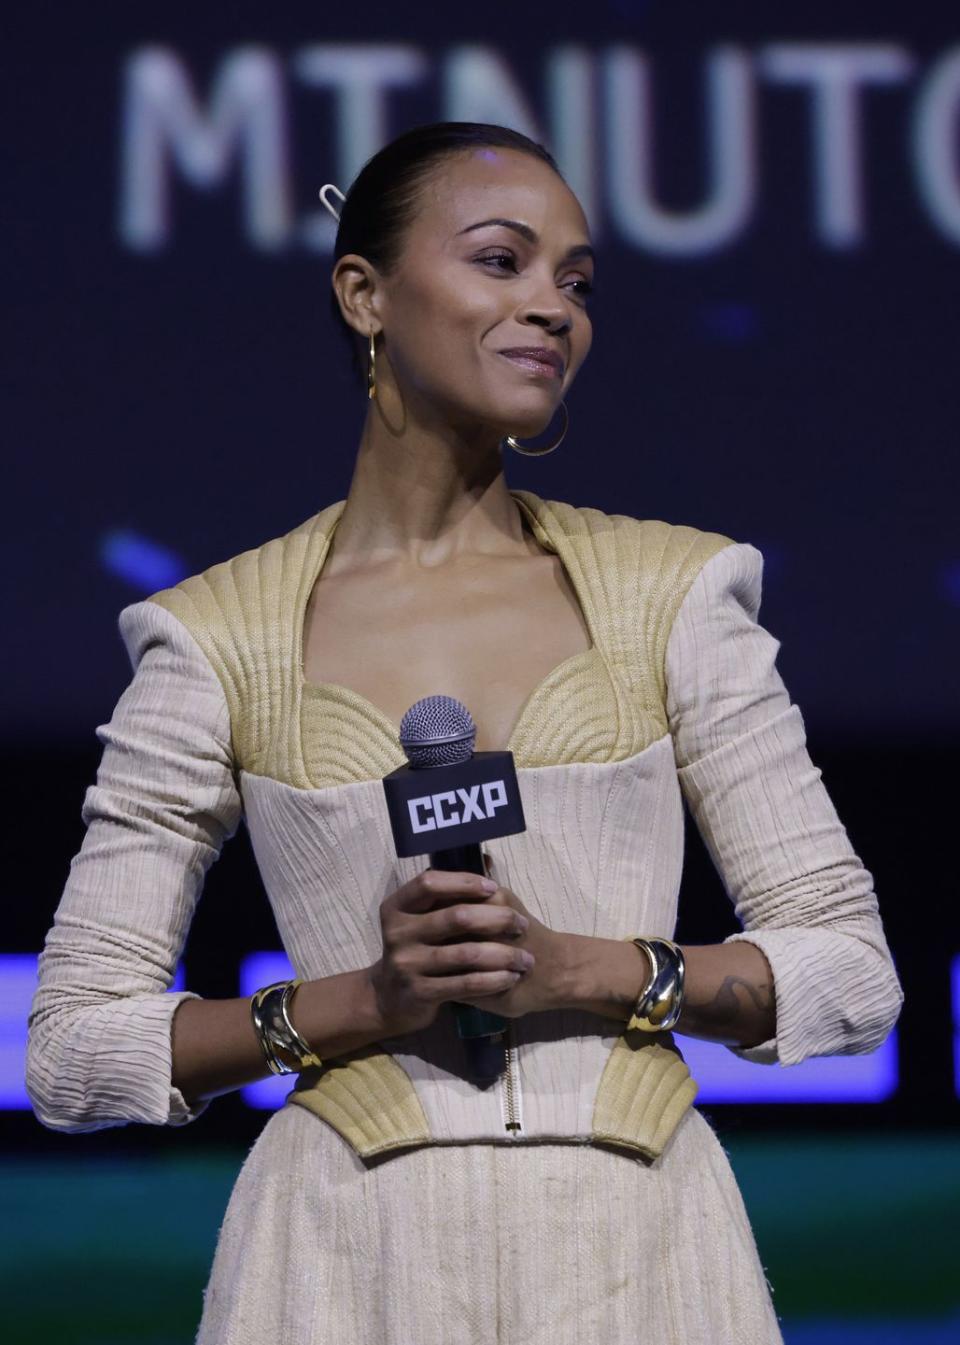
[{"x": 357, "y": 286}]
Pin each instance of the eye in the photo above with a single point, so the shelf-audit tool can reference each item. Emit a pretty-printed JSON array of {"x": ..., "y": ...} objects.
[
  {"x": 500, "y": 260},
  {"x": 507, "y": 262}
]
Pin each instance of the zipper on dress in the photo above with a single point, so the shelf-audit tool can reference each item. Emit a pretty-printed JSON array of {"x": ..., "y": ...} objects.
[{"x": 510, "y": 1092}]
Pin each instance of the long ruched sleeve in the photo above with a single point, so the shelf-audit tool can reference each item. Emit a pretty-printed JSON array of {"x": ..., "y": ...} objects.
[
  {"x": 800, "y": 892},
  {"x": 165, "y": 799}
]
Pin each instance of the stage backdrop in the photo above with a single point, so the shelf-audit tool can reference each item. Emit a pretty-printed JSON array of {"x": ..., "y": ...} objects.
[{"x": 775, "y": 196}]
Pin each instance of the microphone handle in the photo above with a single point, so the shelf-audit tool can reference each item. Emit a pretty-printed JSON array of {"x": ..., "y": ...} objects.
[{"x": 472, "y": 1023}]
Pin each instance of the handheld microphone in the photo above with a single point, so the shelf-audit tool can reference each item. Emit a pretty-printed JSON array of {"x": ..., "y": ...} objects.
[{"x": 447, "y": 792}]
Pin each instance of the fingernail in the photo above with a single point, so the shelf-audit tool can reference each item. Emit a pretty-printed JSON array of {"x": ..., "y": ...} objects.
[
  {"x": 526, "y": 958},
  {"x": 523, "y": 922},
  {"x": 488, "y": 885}
]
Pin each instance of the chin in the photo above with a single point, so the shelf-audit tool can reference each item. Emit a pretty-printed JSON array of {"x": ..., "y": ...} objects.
[
  {"x": 529, "y": 424},
  {"x": 532, "y": 414}
]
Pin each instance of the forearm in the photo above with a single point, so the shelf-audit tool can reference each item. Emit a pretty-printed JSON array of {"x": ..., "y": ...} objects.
[
  {"x": 216, "y": 1049},
  {"x": 729, "y": 991}
]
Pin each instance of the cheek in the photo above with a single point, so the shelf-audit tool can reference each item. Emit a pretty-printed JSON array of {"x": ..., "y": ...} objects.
[{"x": 443, "y": 328}]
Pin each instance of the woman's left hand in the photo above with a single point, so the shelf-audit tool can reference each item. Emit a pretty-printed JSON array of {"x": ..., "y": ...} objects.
[{"x": 544, "y": 985}]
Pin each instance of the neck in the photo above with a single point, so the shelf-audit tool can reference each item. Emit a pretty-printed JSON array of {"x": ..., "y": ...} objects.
[{"x": 425, "y": 495}]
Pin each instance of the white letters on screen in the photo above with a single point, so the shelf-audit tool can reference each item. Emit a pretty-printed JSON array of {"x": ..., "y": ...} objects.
[
  {"x": 835, "y": 76},
  {"x": 592, "y": 108},
  {"x": 936, "y": 138},
  {"x": 360, "y": 76},
  {"x": 630, "y": 138},
  {"x": 165, "y": 126}
]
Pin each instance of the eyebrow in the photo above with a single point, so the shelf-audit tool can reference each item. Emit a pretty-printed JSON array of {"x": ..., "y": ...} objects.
[{"x": 524, "y": 230}]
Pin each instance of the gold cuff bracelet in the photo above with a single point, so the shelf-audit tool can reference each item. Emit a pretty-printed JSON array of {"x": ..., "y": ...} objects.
[
  {"x": 270, "y": 1011},
  {"x": 661, "y": 1000}
]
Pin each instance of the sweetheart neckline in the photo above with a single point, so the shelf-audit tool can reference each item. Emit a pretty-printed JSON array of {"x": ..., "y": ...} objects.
[{"x": 317, "y": 690}]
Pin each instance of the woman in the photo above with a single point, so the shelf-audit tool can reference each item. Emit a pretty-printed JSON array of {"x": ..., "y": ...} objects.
[{"x": 580, "y": 1197}]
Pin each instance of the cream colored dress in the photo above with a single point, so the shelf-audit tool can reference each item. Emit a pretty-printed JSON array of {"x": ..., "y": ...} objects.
[{"x": 396, "y": 1202}]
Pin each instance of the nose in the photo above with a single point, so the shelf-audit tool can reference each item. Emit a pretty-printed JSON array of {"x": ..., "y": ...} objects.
[
  {"x": 556, "y": 321},
  {"x": 546, "y": 309}
]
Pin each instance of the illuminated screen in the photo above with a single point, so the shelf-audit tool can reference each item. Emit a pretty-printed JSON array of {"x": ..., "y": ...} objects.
[{"x": 775, "y": 198}]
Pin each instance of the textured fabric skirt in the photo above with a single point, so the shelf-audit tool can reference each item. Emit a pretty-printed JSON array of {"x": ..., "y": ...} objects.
[{"x": 483, "y": 1244}]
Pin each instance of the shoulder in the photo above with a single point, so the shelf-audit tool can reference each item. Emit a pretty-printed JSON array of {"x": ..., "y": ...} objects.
[
  {"x": 243, "y": 615},
  {"x": 639, "y": 555},
  {"x": 638, "y": 573},
  {"x": 236, "y": 607},
  {"x": 232, "y": 588}
]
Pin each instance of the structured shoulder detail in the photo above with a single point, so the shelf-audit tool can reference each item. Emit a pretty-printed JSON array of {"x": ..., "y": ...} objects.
[
  {"x": 243, "y": 613},
  {"x": 247, "y": 616},
  {"x": 639, "y": 571}
]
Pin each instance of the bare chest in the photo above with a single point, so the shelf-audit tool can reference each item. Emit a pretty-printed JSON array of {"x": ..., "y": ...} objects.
[{"x": 487, "y": 633}]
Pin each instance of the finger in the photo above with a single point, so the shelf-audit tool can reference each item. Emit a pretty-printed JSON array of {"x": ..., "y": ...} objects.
[
  {"x": 460, "y": 921},
  {"x": 473, "y": 985},
  {"x": 452, "y": 958},
  {"x": 435, "y": 885}
]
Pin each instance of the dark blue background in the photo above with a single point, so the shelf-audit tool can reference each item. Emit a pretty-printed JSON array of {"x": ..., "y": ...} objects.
[{"x": 786, "y": 392}]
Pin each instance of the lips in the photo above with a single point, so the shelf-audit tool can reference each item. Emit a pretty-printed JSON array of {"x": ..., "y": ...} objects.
[{"x": 538, "y": 359}]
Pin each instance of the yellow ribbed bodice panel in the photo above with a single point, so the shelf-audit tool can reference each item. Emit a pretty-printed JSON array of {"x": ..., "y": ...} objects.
[{"x": 604, "y": 704}]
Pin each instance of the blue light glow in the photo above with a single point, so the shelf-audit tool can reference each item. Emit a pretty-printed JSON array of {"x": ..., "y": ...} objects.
[
  {"x": 876, "y": 1331},
  {"x": 146, "y": 566},
  {"x": 256, "y": 971},
  {"x": 955, "y": 996},
  {"x": 724, "y": 1077},
  {"x": 18, "y": 981},
  {"x": 721, "y": 1076},
  {"x": 734, "y": 324}
]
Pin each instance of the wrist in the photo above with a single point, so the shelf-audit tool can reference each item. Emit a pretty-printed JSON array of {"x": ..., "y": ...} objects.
[
  {"x": 602, "y": 976},
  {"x": 369, "y": 1008},
  {"x": 340, "y": 1013}
]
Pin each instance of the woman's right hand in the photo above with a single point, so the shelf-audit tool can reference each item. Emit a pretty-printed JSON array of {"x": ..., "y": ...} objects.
[{"x": 445, "y": 937}]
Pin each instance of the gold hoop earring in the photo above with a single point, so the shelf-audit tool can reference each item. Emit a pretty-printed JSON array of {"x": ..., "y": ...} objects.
[
  {"x": 372, "y": 371},
  {"x": 541, "y": 452}
]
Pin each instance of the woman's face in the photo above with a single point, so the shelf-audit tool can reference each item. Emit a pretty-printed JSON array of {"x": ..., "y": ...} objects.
[{"x": 496, "y": 262}]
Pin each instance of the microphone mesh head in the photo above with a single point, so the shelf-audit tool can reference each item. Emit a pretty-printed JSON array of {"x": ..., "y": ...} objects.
[{"x": 437, "y": 731}]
